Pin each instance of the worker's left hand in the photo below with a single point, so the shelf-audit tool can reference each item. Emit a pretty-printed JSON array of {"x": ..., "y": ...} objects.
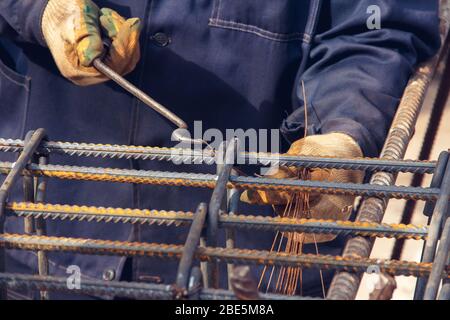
[
  {"x": 322, "y": 206},
  {"x": 73, "y": 30}
]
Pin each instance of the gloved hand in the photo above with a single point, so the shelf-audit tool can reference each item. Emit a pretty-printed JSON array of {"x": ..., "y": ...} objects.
[
  {"x": 73, "y": 31},
  {"x": 322, "y": 206}
]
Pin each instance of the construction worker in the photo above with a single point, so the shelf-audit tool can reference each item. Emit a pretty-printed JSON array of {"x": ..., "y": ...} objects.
[{"x": 230, "y": 64}]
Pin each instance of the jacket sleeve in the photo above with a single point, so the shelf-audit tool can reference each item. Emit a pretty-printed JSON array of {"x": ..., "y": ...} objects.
[
  {"x": 21, "y": 20},
  {"x": 355, "y": 76}
]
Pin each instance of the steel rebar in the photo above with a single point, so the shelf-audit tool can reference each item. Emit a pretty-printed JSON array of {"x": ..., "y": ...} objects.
[
  {"x": 345, "y": 285},
  {"x": 235, "y": 221},
  {"x": 200, "y": 180},
  {"x": 111, "y": 289},
  {"x": 205, "y": 156},
  {"x": 238, "y": 256}
]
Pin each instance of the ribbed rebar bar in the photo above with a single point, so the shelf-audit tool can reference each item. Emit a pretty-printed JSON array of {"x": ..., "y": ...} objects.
[
  {"x": 111, "y": 289},
  {"x": 237, "y": 256},
  {"x": 345, "y": 285},
  {"x": 235, "y": 221},
  {"x": 201, "y": 180},
  {"x": 208, "y": 157}
]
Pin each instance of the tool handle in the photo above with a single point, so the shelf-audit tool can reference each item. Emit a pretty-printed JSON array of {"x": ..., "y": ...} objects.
[
  {"x": 179, "y": 135},
  {"x": 146, "y": 99}
]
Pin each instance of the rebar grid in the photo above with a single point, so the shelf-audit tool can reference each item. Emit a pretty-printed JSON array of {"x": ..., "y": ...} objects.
[{"x": 351, "y": 264}]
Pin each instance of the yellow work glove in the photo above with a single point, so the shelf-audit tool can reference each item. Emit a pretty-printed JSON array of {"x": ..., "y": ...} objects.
[
  {"x": 73, "y": 31},
  {"x": 322, "y": 206}
]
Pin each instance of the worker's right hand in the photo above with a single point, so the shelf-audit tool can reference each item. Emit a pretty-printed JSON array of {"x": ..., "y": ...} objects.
[
  {"x": 321, "y": 206},
  {"x": 73, "y": 31}
]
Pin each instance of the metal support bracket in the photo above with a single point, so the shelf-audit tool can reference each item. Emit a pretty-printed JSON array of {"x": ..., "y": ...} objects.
[{"x": 26, "y": 155}]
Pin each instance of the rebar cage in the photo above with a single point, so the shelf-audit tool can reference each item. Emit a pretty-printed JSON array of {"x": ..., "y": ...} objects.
[
  {"x": 433, "y": 272},
  {"x": 205, "y": 222}
]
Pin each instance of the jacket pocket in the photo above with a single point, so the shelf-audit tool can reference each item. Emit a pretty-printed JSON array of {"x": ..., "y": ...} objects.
[
  {"x": 14, "y": 94},
  {"x": 280, "y": 20}
]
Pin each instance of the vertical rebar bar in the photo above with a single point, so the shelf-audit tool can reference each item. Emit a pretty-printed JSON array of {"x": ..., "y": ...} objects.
[
  {"x": 345, "y": 285},
  {"x": 28, "y": 190},
  {"x": 219, "y": 202},
  {"x": 230, "y": 234},
  {"x": 439, "y": 264},
  {"x": 436, "y": 182},
  {"x": 190, "y": 247},
  {"x": 40, "y": 225},
  {"x": 434, "y": 230},
  {"x": 27, "y": 153}
]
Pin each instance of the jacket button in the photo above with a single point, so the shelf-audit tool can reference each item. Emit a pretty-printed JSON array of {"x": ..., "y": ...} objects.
[
  {"x": 109, "y": 275},
  {"x": 161, "y": 39}
]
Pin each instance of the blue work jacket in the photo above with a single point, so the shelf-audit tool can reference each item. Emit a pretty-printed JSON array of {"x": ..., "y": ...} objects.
[{"x": 229, "y": 63}]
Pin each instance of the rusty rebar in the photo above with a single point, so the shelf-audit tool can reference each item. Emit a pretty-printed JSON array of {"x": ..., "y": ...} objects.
[
  {"x": 234, "y": 221},
  {"x": 345, "y": 285}
]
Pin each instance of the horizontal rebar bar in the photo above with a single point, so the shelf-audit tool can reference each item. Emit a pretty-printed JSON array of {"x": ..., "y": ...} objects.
[
  {"x": 318, "y": 226},
  {"x": 111, "y": 289},
  {"x": 99, "y": 214},
  {"x": 209, "y": 181},
  {"x": 237, "y": 221},
  {"x": 237, "y": 256},
  {"x": 207, "y": 157}
]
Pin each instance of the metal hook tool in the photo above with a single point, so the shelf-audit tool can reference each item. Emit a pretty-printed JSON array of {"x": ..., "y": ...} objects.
[{"x": 180, "y": 134}]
